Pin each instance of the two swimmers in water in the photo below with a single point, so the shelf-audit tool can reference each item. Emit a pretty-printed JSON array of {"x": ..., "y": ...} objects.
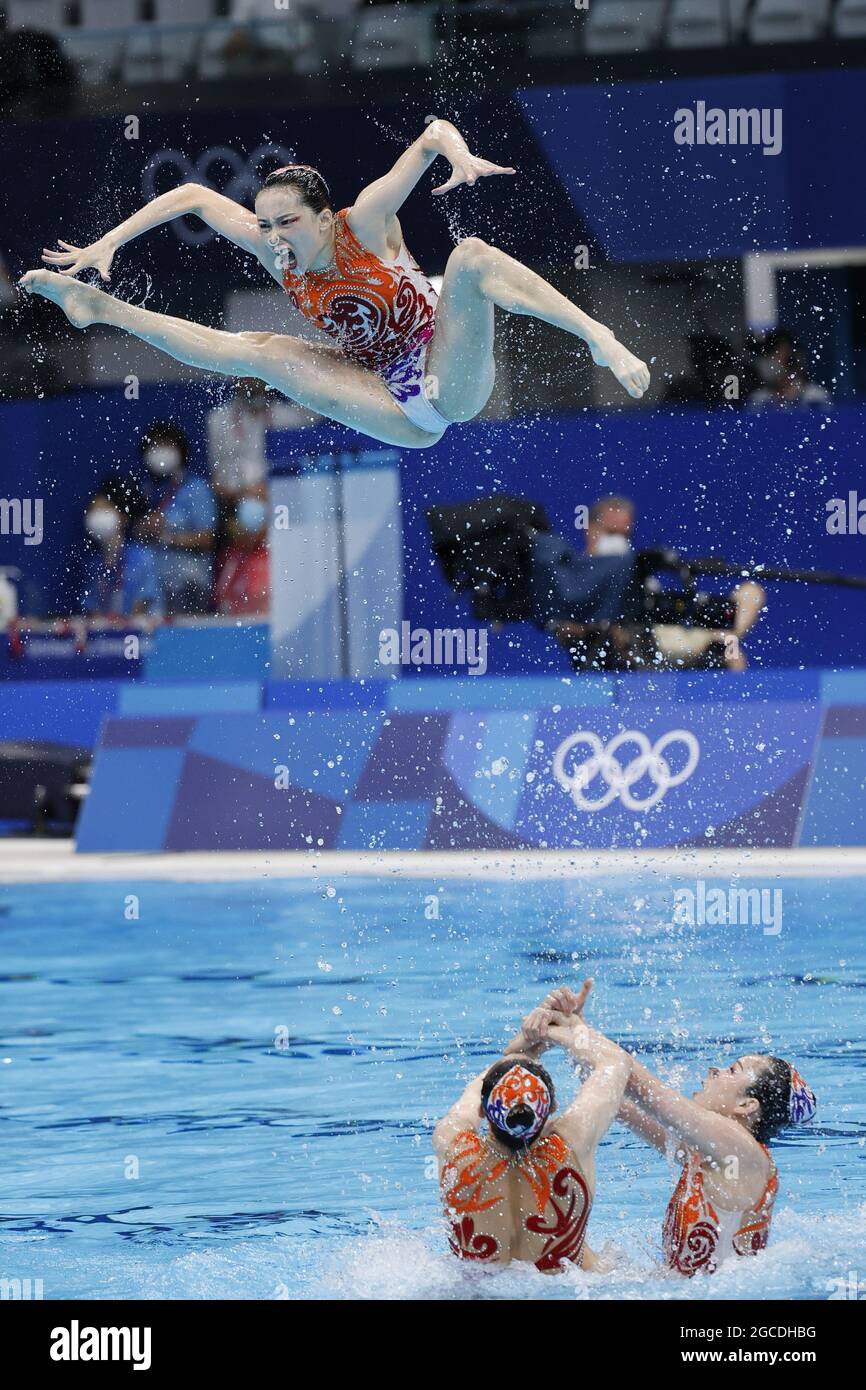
[{"x": 518, "y": 1176}]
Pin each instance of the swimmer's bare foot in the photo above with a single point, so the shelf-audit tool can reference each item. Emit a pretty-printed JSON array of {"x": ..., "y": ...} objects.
[
  {"x": 79, "y": 302},
  {"x": 629, "y": 371}
]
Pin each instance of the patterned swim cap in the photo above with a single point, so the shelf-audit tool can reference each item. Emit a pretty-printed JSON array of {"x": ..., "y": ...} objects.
[
  {"x": 518, "y": 1104},
  {"x": 802, "y": 1106}
]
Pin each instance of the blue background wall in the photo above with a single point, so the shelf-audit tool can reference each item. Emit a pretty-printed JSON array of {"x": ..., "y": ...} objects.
[
  {"x": 647, "y": 198},
  {"x": 750, "y": 488}
]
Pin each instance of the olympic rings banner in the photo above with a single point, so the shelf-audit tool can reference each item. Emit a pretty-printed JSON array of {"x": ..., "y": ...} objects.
[{"x": 396, "y": 772}]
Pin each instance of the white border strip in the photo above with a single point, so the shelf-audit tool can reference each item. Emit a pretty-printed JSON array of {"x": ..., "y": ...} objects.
[{"x": 41, "y": 861}]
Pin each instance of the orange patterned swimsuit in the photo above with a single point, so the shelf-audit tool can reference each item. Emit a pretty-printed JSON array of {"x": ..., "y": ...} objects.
[
  {"x": 697, "y": 1237},
  {"x": 554, "y": 1187},
  {"x": 381, "y": 313}
]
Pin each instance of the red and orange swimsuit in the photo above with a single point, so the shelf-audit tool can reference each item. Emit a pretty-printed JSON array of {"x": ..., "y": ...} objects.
[
  {"x": 381, "y": 313},
  {"x": 697, "y": 1237},
  {"x": 558, "y": 1191}
]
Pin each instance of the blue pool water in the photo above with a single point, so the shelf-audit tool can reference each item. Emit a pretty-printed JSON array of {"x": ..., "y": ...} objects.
[{"x": 232, "y": 1096}]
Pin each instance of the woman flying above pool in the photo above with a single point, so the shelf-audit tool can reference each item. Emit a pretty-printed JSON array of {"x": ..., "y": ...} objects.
[
  {"x": 405, "y": 363},
  {"x": 722, "y": 1205}
]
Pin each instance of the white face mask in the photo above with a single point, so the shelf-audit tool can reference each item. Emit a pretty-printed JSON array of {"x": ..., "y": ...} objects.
[
  {"x": 251, "y": 514},
  {"x": 610, "y": 544},
  {"x": 102, "y": 523},
  {"x": 163, "y": 459}
]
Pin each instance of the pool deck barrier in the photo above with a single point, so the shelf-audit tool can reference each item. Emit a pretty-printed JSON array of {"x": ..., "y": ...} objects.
[{"x": 55, "y": 861}]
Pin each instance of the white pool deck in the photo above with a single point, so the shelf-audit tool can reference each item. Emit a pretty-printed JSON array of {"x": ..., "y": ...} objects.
[{"x": 55, "y": 861}]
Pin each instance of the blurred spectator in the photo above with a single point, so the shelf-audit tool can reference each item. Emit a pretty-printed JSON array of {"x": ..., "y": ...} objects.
[
  {"x": 7, "y": 289},
  {"x": 36, "y": 77},
  {"x": 121, "y": 578},
  {"x": 236, "y": 438},
  {"x": 242, "y": 587},
  {"x": 779, "y": 365},
  {"x": 180, "y": 524},
  {"x": 125, "y": 493}
]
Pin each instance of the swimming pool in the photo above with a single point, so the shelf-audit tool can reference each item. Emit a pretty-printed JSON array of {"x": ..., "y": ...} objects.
[{"x": 230, "y": 1095}]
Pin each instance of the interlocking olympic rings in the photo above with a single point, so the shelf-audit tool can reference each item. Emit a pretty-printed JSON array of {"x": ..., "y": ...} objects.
[
  {"x": 603, "y": 762},
  {"x": 244, "y": 180}
]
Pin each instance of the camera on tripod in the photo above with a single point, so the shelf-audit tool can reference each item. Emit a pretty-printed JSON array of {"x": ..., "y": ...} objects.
[{"x": 501, "y": 554}]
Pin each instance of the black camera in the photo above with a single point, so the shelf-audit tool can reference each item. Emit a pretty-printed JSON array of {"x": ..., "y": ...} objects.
[{"x": 500, "y": 553}]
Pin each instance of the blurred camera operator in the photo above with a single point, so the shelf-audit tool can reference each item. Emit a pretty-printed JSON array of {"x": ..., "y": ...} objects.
[{"x": 665, "y": 646}]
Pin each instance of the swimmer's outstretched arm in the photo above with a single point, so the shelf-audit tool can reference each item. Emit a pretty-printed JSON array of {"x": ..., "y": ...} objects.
[
  {"x": 232, "y": 221},
  {"x": 661, "y": 1114},
  {"x": 374, "y": 211},
  {"x": 592, "y": 1112},
  {"x": 647, "y": 1128},
  {"x": 657, "y": 1112}
]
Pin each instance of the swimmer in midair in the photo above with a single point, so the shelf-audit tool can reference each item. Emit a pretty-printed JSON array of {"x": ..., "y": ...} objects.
[{"x": 405, "y": 362}]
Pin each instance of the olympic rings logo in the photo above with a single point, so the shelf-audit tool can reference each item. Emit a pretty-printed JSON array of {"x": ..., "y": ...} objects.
[
  {"x": 244, "y": 180},
  {"x": 620, "y": 777}
]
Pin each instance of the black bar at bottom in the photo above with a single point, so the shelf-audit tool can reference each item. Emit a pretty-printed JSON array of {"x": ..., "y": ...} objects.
[{"x": 78, "y": 1338}]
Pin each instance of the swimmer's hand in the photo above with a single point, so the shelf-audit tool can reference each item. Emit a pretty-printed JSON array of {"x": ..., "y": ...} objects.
[
  {"x": 73, "y": 259},
  {"x": 468, "y": 168},
  {"x": 544, "y": 1028},
  {"x": 535, "y": 1028},
  {"x": 565, "y": 1001}
]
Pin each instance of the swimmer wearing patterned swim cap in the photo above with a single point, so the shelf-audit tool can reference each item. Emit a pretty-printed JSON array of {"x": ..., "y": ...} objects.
[
  {"x": 517, "y": 1175},
  {"x": 722, "y": 1205},
  {"x": 517, "y": 1098}
]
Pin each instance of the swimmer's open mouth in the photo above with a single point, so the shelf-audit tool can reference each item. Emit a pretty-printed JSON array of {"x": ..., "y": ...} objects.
[{"x": 286, "y": 258}]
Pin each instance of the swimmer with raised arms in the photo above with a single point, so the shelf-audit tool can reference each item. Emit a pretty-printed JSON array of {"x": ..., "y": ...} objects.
[
  {"x": 517, "y": 1176},
  {"x": 722, "y": 1205}
]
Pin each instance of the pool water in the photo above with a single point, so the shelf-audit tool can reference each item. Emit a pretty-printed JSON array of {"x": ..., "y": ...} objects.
[{"x": 227, "y": 1090}]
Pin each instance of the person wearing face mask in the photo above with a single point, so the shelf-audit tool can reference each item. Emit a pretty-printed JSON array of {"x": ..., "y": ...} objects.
[
  {"x": 609, "y": 533},
  {"x": 181, "y": 523},
  {"x": 608, "y": 536},
  {"x": 779, "y": 365},
  {"x": 120, "y": 577},
  {"x": 243, "y": 587}
]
